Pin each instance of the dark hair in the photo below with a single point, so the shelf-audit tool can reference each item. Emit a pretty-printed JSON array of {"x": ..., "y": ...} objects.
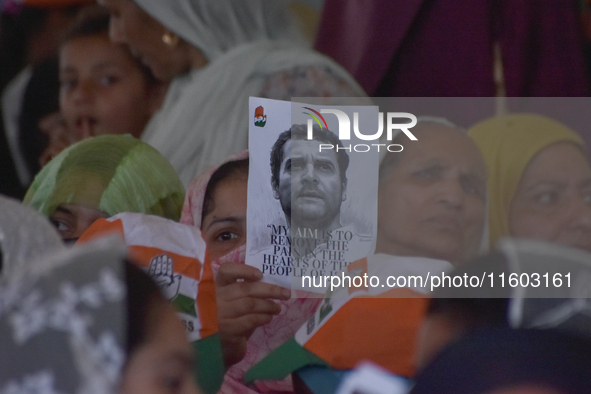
[
  {"x": 300, "y": 132},
  {"x": 89, "y": 22},
  {"x": 227, "y": 170},
  {"x": 17, "y": 32},
  {"x": 472, "y": 313},
  {"x": 503, "y": 358},
  {"x": 41, "y": 98},
  {"x": 94, "y": 21},
  {"x": 468, "y": 306},
  {"x": 142, "y": 295}
]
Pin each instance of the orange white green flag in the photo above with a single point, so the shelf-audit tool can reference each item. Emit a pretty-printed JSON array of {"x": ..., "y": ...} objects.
[
  {"x": 355, "y": 323},
  {"x": 174, "y": 255}
]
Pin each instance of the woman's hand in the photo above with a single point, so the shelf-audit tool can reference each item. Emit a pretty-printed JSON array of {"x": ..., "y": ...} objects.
[{"x": 244, "y": 303}]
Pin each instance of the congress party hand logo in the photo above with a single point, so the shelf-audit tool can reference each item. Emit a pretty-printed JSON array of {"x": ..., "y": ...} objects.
[{"x": 161, "y": 270}]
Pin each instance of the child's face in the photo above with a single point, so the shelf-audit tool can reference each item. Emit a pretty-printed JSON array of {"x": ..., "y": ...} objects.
[{"x": 103, "y": 90}]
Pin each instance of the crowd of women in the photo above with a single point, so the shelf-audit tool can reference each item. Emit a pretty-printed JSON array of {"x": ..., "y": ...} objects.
[{"x": 140, "y": 160}]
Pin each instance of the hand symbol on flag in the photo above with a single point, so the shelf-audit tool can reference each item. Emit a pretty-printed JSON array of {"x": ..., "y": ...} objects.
[{"x": 161, "y": 270}]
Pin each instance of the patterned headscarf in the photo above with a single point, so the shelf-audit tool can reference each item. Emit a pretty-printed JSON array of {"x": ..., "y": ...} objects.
[
  {"x": 63, "y": 322},
  {"x": 111, "y": 173},
  {"x": 195, "y": 198}
]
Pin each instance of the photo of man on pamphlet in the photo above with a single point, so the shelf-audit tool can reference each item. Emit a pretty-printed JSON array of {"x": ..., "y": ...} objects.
[{"x": 319, "y": 202}]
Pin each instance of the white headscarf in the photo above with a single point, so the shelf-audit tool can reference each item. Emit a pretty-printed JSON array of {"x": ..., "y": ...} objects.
[
  {"x": 204, "y": 118},
  {"x": 63, "y": 322},
  {"x": 215, "y": 27}
]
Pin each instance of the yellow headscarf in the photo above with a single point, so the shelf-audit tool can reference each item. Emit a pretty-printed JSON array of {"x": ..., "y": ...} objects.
[{"x": 508, "y": 143}]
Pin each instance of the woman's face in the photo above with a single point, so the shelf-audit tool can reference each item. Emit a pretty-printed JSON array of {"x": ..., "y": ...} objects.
[
  {"x": 432, "y": 202},
  {"x": 553, "y": 199},
  {"x": 224, "y": 228},
  {"x": 131, "y": 25},
  {"x": 103, "y": 90},
  {"x": 164, "y": 363},
  {"x": 72, "y": 220}
]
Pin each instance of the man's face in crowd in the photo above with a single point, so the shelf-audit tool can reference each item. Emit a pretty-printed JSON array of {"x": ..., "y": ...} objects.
[
  {"x": 310, "y": 188},
  {"x": 432, "y": 202}
]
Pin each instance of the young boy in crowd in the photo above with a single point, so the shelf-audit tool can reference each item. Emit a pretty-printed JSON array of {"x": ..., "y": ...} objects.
[{"x": 103, "y": 88}]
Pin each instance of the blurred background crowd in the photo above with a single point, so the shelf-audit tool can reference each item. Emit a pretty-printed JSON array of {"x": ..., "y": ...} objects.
[{"x": 131, "y": 117}]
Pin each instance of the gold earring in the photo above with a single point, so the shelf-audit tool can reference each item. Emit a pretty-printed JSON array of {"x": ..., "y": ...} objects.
[{"x": 170, "y": 39}]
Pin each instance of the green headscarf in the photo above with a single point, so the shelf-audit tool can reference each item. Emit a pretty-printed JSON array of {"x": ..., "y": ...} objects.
[{"x": 111, "y": 173}]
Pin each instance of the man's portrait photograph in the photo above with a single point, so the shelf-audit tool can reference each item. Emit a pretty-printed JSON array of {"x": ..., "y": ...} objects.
[{"x": 312, "y": 199}]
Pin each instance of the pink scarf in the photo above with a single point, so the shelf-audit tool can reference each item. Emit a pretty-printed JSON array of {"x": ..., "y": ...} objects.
[{"x": 294, "y": 312}]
